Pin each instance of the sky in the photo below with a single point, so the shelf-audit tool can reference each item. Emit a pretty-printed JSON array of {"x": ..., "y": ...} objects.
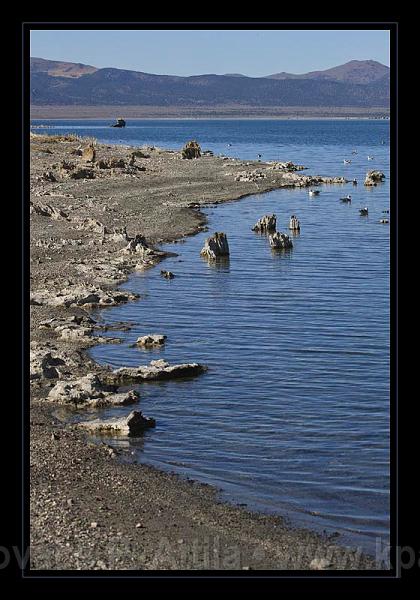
[{"x": 178, "y": 52}]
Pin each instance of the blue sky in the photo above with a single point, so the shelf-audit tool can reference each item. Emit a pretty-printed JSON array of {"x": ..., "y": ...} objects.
[{"x": 176, "y": 52}]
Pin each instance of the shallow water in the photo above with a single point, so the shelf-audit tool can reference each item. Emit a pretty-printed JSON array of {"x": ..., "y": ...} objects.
[{"x": 293, "y": 414}]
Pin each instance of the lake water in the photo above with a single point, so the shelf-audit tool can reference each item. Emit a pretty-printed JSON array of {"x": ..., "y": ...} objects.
[{"x": 293, "y": 415}]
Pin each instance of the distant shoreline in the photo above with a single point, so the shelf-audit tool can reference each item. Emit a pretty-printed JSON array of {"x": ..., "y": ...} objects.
[{"x": 218, "y": 113}]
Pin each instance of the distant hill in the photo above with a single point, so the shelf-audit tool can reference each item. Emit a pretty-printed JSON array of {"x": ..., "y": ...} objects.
[
  {"x": 59, "y": 84},
  {"x": 355, "y": 71},
  {"x": 60, "y": 69}
]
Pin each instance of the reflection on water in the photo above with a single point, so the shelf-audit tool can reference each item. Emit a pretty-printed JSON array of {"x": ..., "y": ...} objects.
[{"x": 221, "y": 263}]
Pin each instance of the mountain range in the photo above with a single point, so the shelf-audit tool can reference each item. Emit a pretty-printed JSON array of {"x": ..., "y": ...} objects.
[{"x": 354, "y": 84}]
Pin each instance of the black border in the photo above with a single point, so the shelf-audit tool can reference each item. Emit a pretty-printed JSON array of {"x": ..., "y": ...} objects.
[{"x": 24, "y": 117}]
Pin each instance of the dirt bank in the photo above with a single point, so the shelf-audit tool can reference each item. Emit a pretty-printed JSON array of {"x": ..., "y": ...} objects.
[{"x": 96, "y": 214}]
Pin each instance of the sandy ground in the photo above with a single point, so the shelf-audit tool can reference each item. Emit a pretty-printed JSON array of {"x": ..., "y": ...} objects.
[{"x": 91, "y": 507}]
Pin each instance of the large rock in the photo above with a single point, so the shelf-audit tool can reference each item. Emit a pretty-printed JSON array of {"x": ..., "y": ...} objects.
[
  {"x": 191, "y": 150},
  {"x": 374, "y": 177},
  {"x": 80, "y": 295},
  {"x": 280, "y": 241},
  {"x": 216, "y": 245},
  {"x": 265, "y": 224},
  {"x": 134, "y": 424},
  {"x": 294, "y": 224},
  {"x": 157, "y": 370},
  {"x": 153, "y": 339},
  {"x": 286, "y": 166},
  {"x": 89, "y": 391}
]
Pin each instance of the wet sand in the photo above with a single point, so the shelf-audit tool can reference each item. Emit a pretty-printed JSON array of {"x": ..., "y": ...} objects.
[{"x": 91, "y": 506}]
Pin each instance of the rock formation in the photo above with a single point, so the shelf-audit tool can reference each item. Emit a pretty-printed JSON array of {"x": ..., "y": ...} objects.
[
  {"x": 132, "y": 425},
  {"x": 157, "y": 370},
  {"x": 250, "y": 175},
  {"x": 191, "y": 150},
  {"x": 80, "y": 295},
  {"x": 153, "y": 339},
  {"x": 46, "y": 210},
  {"x": 294, "y": 223},
  {"x": 88, "y": 391},
  {"x": 266, "y": 224},
  {"x": 374, "y": 177},
  {"x": 44, "y": 365},
  {"x": 216, "y": 245},
  {"x": 280, "y": 241},
  {"x": 139, "y": 247}
]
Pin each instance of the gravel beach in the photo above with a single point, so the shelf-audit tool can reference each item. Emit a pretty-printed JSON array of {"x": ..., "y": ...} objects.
[{"x": 98, "y": 212}]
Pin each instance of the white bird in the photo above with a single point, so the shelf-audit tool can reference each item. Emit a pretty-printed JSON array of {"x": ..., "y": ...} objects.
[
  {"x": 370, "y": 157},
  {"x": 346, "y": 162}
]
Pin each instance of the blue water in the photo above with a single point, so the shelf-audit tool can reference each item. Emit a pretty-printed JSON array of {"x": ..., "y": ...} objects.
[{"x": 293, "y": 415}]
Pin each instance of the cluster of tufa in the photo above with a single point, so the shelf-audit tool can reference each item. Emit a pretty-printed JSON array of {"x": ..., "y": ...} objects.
[{"x": 191, "y": 150}]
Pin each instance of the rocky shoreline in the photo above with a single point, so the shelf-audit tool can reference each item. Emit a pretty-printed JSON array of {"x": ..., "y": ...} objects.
[{"x": 97, "y": 214}]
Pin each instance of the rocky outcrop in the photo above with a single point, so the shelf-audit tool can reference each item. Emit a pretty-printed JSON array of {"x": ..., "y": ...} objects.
[
  {"x": 294, "y": 224},
  {"x": 132, "y": 425},
  {"x": 112, "y": 163},
  {"x": 45, "y": 210},
  {"x": 155, "y": 371},
  {"x": 247, "y": 176},
  {"x": 154, "y": 339},
  {"x": 216, "y": 245},
  {"x": 43, "y": 365},
  {"x": 266, "y": 224},
  {"x": 139, "y": 248},
  {"x": 191, "y": 150},
  {"x": 88, "y": 391},
  {"x": 280, "y": 241},
  {"x": 80, "y": 295},
  {"x": 286, "y": 166},
  {"x": 373, "y": 178},
  {"x": 47, "y": 361}
]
